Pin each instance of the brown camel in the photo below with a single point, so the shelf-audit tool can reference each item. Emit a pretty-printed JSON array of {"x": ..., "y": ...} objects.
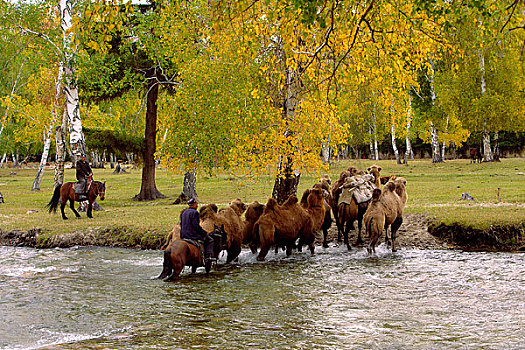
[
  {"x": 253, "y": 213},
  {"x": 336, "y": 192},
  {"x": 283, "y": 224},
  {"x": 230, "y": 218},
  {"x": 386, "y": 209},
  {"x": 327, "y": 222},
  {"x": 350, "y": 212}
]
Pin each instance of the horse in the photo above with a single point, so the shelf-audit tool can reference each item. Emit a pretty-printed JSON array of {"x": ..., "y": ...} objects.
[
  {"x": 182, "y": 252},
  {"x": 67, "y": 191}
]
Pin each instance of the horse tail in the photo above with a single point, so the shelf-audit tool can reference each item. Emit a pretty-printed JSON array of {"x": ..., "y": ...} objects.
[
  {"x": 167, "y": 268},
  {"x": 53, "y": 203}
]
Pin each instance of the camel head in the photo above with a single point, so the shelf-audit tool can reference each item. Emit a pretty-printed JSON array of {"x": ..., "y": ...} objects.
[
  {"x": 254, "y": 211},
  {"x": 238, "y": 206},
  {"x": 208, "y": 211},
  {"x": 315, "y": 198}
]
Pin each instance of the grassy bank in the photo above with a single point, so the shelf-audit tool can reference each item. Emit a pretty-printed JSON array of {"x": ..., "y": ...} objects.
[{"x": 434, "y": 190}]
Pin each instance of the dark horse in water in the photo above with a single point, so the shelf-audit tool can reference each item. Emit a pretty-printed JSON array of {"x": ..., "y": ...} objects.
[
  {"x": 181, "y": 253},
  {"x": 67, "y": 191}
]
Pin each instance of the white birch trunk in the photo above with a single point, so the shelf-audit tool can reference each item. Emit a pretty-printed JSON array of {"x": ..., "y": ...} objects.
[
  {"x": 434, "y": 133},
  {"x": 443, "y": 148},
  {"x": 4, "y": 157},
  {"x": 60, "y": 144},
  {"x": 76, "y": 137},
  {"x": 487, "y": 151},
  {"x": 409, "y": 153},
  {"x": 393, "y": 132},
  {"x": 325, "y": 154}
]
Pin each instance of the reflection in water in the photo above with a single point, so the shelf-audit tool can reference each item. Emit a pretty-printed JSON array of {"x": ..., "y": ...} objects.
[{"x": 105, "y": 298}]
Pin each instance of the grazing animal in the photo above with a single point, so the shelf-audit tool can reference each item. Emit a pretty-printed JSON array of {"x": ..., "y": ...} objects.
[
  {"x": 475, "y": 155},
  {"x": 350, "y": 212},
  {"x": 230, "y": 218},
  {"x": 253, "y": 213},
  {"x": 66, "y": 192},
  {"x": 182, "y": 252}
]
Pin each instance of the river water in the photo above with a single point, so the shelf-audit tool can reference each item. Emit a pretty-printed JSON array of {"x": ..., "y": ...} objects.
[{"x": 104, "y": 298}]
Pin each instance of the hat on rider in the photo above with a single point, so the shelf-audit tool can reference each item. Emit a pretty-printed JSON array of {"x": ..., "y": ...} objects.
[{"x": 192, "y": 201}]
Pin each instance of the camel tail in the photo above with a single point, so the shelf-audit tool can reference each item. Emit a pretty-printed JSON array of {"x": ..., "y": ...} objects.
[{"x": 53, "y": 203}]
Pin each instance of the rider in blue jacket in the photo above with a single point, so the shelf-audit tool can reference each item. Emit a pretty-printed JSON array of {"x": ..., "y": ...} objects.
[{"x": 190, "y": 228}]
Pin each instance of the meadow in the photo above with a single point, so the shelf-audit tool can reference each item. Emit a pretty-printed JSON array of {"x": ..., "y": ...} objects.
[{"x": 433, "y": 189}]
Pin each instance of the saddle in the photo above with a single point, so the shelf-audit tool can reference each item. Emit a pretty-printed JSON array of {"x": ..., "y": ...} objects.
[{"x": 198, "y": 244}]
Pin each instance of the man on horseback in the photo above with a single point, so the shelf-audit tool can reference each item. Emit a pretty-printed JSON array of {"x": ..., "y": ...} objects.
[
  {"x": 84, "y": 176},
  {"x": 191, "y": 229}
]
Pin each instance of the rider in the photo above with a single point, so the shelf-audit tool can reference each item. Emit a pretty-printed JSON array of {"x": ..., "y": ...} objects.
[
  {"x": 84, "y": 173},
  {"x": 190, "y": 228}
]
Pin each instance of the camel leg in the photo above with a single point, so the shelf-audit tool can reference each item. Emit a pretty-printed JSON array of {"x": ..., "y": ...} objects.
[
  {"x": 72, "y": 206},
  {"x": 359, "y": 227},
  {"x": 349, "y": 225},
  {"x": 193, "y": 269},
  {"x": 289, "y": 250},
  {"x": 393, "y": 229},
  {"x": 387, "y": 240},
  {"x": 233, "y": 252},
  {"x": 312, "y": 248},
  {"x": 262, "y": 253},
  {"x": 325, "y": 234}
]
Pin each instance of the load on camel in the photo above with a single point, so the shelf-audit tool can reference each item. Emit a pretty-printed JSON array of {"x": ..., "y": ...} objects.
[
  {"x": 282, "y": 225},
  {"x": 356, "y": 193},
  {"x": 386, "y": 209}
]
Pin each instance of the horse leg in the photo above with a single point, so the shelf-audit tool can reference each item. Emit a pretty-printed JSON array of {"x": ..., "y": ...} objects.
[
  {"x": 62, "y": 206},
  {"x": 72, "y": 206},
  {"x": 167, "y": 266},
  {"x": 393, "y": 230},
  {"x": 90, "y": 210}
]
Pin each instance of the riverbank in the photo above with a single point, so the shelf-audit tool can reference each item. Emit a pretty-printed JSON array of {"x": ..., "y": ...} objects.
[
  {"x": 435, "y": 193},
  {"x": 416, "y": 232}
]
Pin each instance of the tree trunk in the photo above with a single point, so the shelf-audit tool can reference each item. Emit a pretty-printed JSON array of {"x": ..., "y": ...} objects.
[
  {"x": 285, "y": 186},
  {"x": 436, "y": 156},
  {"x": 60, "y": 144},
  {"x": 148, "y": 190},
  {"x": 4, "y": 157},
  {"x": 394, "y": 145},
  {"x": 76, "y": 137},
  {"x": 487, "y": 151},
  {"x": 325, "y": 154},
  {"x": 189, "y": 186},
  {"x": 409, "y": 153},
  {"x": 496, "y": 147},
  {"x": 286, "y": 180},
  {"x": 43, "y": 161}
]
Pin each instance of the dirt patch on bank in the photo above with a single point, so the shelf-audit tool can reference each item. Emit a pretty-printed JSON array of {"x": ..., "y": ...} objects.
[{"x": 413, "y": 233}]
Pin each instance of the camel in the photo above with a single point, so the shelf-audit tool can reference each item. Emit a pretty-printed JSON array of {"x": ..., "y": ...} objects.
[
  {"x": 230, "y": 217},
  {"x": 283, "y": 224},
  {"x": 253, "y": 213},
  {"x": 349, "y": 212},
  {"x": 328, "y": 200},
  {"x": 386, "y": 209},
  {"x": 336, "y": 192}
]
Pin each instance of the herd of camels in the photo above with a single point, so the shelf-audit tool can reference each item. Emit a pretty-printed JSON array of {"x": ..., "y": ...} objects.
[{"x": 356, "y": 195}]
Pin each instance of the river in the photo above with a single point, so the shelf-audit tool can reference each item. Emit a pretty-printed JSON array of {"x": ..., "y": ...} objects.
[{"x": 104, "y": 298}]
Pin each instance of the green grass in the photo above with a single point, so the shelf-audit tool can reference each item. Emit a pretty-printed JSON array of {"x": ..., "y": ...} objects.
[{"x": 433, "y": 189}]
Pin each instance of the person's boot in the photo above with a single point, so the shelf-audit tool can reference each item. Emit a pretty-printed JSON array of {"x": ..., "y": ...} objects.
[{"x": 207, "y": 263}]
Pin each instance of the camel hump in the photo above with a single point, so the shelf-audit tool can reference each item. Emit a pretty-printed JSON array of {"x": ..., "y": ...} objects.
[
  {"x": 376, "y": 193},
  {"x": 271, "y": 204},
  {"x": 292, "y": 199},
  {"x": 390, "y": 186}
]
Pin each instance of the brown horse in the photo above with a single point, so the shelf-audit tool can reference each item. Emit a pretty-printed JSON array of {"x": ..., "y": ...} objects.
[
  {"x": 66, "y": 192},
  {"x": 181, "y": 253}
]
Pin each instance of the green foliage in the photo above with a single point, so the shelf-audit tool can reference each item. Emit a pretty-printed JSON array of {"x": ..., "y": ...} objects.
[{"x": 113, "y": 141}]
